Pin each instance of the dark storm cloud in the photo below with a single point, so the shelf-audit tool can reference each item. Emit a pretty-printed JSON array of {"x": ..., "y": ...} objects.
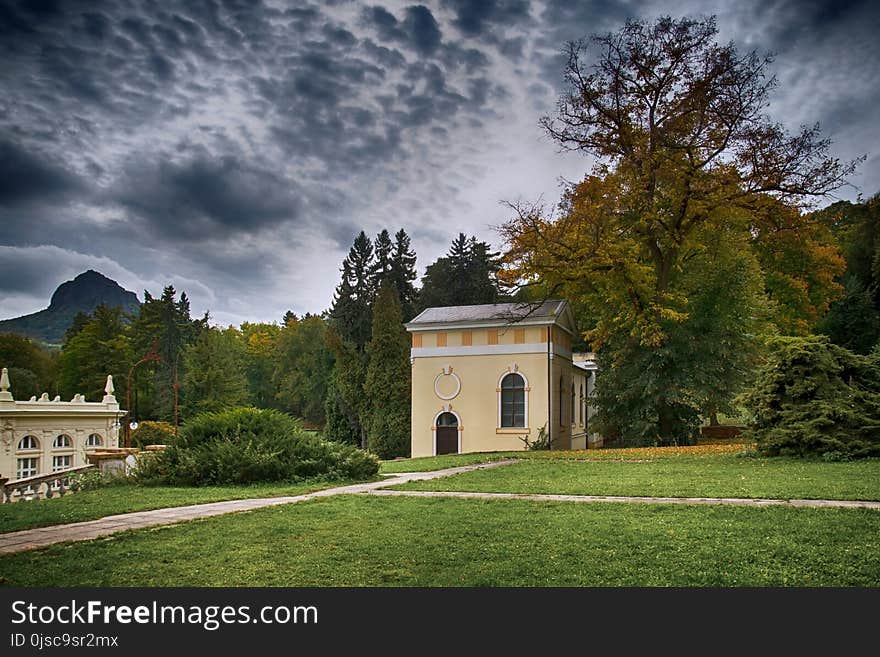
[
  {"x": 474, "y": 17},
  {"x": 27, "y": 177},
  {"x": 418, "y": 30},
  {"x": 206, "y": 196},
  {"x": 217, "y": 140}
]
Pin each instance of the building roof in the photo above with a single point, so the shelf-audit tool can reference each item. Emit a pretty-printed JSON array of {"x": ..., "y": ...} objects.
[{"x": 495, "y": 314}]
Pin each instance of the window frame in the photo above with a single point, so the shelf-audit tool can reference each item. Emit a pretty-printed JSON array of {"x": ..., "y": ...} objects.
[
  {"x": 524, "y": 390},
  {"x": 21, "y": 473},
  {"x": 57, "y": 443},
  {"x": 33, "y": 439}
]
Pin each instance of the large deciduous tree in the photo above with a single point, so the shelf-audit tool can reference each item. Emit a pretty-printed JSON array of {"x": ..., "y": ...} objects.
[
  {"x": 303, "y": 366},
  {"x": 685, "y": 157}
]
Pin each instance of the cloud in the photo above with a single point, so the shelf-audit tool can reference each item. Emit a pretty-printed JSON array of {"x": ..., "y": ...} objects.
[
  {"x": 203, "y": 197},
  {"x": 418, "y": 30},
  {"x": 27, "y": 177},
  {"x": 239, "y": 147},
  {"x": 475, "y": 17}
]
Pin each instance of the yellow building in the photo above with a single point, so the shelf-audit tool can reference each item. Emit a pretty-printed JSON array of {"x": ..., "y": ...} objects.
[{"x": 488, "y": 377}]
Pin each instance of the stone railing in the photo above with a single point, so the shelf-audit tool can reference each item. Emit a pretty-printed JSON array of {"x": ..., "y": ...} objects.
[{"x": 29, "y": 487}]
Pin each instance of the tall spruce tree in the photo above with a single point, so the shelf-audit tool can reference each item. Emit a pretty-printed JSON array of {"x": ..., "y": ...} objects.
[
  {"x": 350, "y": 314},
  {"x": 215, "y": 377},
  {"x": 163, "y": 324},
  {"x": 382, "y": 258},
  {"x": 403, "y": 273},
  {"x": 466, "y": 275},
  {"x": 387, "y": 384},
  {"x": 99, "y": 348}
]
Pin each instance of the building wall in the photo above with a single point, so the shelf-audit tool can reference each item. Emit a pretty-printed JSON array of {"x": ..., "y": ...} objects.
[
  {"x": 46, "y": 428},
  {"x": 477, "y": 401}
]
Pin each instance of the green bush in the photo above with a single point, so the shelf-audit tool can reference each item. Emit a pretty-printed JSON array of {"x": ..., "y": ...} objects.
[
  {"x": 245, "y": 445},
  {"x": 812, "y": 397},
  {"x": 152, "y": 433}
]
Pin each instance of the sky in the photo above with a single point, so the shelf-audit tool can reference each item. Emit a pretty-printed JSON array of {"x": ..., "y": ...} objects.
[{"x": 235, "y": 149}]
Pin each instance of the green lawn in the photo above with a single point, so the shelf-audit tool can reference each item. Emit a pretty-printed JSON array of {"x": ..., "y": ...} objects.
[
  {"x": 717, "y": 475},
  {"x": 428, "y": 463},
  {"x": 369, "y": 541},
  {"x": 111, "y": 500}
]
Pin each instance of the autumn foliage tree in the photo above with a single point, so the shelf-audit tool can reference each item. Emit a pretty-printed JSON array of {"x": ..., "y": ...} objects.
[{"x": 685, "y": 154}]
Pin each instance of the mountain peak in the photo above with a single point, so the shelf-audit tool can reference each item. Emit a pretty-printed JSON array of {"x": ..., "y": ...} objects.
[{"x": 84, "y": 293}]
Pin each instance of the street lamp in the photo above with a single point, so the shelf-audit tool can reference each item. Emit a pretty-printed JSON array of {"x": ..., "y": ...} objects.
[{"x": 152, "y": 356}]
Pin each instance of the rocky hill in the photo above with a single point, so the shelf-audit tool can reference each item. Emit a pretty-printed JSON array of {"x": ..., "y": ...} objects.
[{"x": 83, "y": 294}]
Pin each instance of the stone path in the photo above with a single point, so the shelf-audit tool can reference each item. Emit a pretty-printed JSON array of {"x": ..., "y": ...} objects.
[
  {"x": 30, "y": 539},
  {"x": 739, "y": 501}
]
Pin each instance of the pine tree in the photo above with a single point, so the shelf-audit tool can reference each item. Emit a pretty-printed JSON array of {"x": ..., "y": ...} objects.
[
  {"x": 341, "y": 425},
  {"x": 350, "y": 313},
  {"x": 99, "y": 348},
  {"x": 387, "y": 384},
  {"x": 215, "y": 373},
  {"x": 466, "y": 275},
  {"x": 381, "y": 268},
  {"x": 403, "y": 273},
  {"x": 163, "y": 324}
]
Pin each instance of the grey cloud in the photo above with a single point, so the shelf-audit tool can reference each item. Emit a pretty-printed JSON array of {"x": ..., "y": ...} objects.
[
  {"x": 206, "y": 197},
  {"x": 474, "y": 17},
  {"x": 419, "y": 29},
  {"x": 27, "y": 177}
]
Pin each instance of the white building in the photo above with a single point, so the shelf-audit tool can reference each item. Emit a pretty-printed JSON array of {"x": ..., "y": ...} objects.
[{"x": 40, "y": 436}]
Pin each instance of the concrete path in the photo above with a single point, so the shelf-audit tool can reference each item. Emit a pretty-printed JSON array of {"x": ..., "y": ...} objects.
[
  {"x": 739, "y": 501},
  {"x": 29, "y": 539}
]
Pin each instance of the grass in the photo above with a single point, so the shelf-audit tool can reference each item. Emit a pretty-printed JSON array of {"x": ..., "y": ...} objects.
[
  {"x": 428, "y": 463},
  {"x": 111, "y": 500},
  {"x": 369, "y": 541},
  {"x": 714, "y": 475}
]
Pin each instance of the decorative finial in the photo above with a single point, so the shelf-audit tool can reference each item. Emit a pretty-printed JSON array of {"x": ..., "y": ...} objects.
[
  {"x": 5, "y": 395},
  {"x": 108, "y": 391}
]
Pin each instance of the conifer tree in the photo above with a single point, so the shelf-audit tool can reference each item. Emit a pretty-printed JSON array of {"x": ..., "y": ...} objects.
[
  {"x": 381, "y": 268},
  {"x": 387, "y": 384},
  {"x": 403, "y": 273},
  {"x": 464, "y": 276},
  {"x": 350, "y": 313}
]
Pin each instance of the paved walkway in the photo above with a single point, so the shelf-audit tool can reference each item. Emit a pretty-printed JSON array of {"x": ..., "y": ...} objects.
[
  {"x": 739, "y": 501},
  {"x": 30, "y": 539}
]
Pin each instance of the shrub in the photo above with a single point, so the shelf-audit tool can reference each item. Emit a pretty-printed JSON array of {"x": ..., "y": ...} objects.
[
  {"x": 245, "y": 445},
  {"x": 812, "y": 397},
  {"x": 152, "y": 433},
  {"x": 541, "y": 442}
]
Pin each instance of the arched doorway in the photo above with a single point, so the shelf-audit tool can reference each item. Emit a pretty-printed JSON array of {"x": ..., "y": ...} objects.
[{"x": 446, "y": 433}]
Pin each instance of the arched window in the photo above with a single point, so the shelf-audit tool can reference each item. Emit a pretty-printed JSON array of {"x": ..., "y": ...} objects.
[
  {"x": 94, "y": 440},
  {"x": 513, "y": 400},
  {"x": 583, "y": 403},
  {"x": 29, "y": 442},
  {"x": 571, "y": 404},
  {"x": 447, "y": 420},
  {"x": 62, "y": 441}
]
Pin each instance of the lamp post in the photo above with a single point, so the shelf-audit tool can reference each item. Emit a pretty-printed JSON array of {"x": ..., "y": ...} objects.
[{"x": 152, "y": 356}]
